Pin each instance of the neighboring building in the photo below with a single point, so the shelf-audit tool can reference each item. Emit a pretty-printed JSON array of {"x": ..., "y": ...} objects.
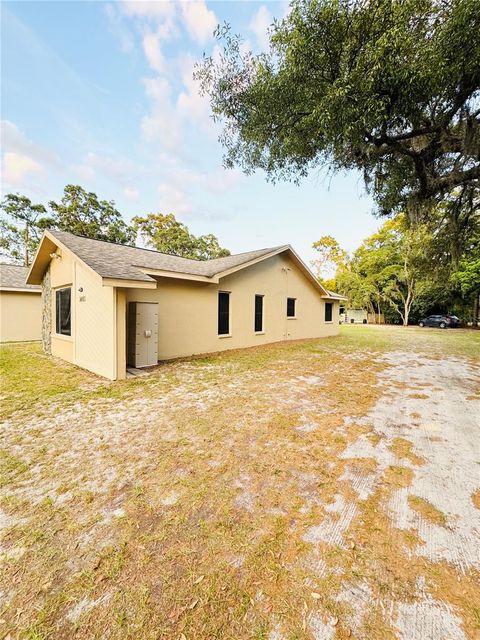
[
  {"x": 20, "y": 305},
  {"x": 109, "y": 305},
  {"x": 354, "y": 316}
]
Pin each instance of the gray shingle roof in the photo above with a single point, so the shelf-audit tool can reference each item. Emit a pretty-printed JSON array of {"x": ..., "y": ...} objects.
[
  {"x": 12, "y": 276},
  {"x": 123, "y": 262},
  {"x": 335, "y": 296}
]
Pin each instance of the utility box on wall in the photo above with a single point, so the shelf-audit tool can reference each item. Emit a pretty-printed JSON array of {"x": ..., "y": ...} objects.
[{"x": 142, "y": 341}]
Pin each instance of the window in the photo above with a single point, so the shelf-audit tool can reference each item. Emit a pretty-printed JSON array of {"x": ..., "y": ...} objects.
[
  {"x": 63, "y": 305},
  {"x": 291, "y": 307},
  {"x": 223, "y": 313},
  {"x": 258, "y": 314},
  {"x": 328, "y": 311}
]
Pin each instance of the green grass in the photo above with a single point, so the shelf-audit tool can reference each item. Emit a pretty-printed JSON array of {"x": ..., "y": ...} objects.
[
  {"x": 28, "y": 377},
  {"x": 436, "y": 342},
  {"x": 31, "y": 381}
]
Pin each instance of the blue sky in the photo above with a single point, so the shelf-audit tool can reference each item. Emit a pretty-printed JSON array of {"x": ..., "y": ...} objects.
[{"x": 101, "y": 94}]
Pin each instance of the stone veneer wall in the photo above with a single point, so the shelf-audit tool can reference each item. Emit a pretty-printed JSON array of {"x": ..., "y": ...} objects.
[{"x": 46, "y": 312}]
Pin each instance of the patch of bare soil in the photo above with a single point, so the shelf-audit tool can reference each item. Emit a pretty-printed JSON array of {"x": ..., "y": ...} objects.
[
  {"x": 414, "y": 512},
  {"x": 265, "y": 495}
]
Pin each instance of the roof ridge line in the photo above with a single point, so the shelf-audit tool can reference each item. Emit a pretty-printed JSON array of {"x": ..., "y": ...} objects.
[{"x": 162, "y": 253}]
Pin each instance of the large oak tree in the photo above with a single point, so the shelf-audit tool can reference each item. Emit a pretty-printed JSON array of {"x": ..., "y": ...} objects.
[{"x": 389, "y": 87}]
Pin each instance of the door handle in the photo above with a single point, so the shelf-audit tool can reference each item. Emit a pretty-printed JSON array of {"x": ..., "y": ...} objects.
[{"x": 147, "y": 333}]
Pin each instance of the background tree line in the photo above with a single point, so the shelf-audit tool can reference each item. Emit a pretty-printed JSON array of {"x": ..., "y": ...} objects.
[
  {"x": 408, "y": 271},
  {"x": 83, "y": 213}
]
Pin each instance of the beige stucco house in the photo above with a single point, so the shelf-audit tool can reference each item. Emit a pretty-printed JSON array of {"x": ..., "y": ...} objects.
[
  {"x": 20, "y": 305},
  {"x": 108, "y": 306}
]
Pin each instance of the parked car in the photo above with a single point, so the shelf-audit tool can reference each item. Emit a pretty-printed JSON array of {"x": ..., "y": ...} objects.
[{"x": 440, "y": 321}]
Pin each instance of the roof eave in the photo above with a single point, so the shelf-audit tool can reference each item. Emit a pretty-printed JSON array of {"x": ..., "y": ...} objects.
[
  {"x": 21, "y": 289},
  {"x": 179, "y": 275},
  {"x": 328, "y": 297},
  {"x": 41, "y": 259},
  {"x": 128, "y": 283}
]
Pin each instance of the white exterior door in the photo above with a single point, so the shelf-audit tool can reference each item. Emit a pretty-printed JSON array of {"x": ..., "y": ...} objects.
[{"x": 143, "y": 334}]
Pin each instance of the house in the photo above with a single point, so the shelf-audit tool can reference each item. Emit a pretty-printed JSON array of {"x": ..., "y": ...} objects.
[
  {"x": 20, "y": 305},
  {"x": 360, "y": 316},
  {"x": 109, "y": 306},
  {"x": 352, "y": 316}
]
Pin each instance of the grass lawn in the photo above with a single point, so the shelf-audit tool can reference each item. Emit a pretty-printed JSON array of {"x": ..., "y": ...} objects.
[{"x": 218, "y": 498}]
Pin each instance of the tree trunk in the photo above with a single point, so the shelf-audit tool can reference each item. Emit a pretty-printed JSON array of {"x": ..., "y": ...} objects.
[
  {"x": 408, "y": 303},
  {"x": 27, "y": 257}
]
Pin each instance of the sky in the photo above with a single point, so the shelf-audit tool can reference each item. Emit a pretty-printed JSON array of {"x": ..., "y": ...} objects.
[{"x": 101, "y": 94}]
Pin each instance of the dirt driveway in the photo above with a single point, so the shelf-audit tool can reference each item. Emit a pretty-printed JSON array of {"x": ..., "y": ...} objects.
[{"x": 323, "y": 489}]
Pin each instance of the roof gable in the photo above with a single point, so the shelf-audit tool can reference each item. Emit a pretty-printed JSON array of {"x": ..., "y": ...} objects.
[{"x": 124, "y": 263}]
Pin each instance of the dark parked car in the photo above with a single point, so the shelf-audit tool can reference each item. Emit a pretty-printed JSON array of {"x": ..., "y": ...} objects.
[{"x": 440, "y": 321}]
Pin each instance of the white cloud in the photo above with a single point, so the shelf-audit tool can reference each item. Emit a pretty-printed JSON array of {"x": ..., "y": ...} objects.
[
  {"x": 173, "y": 200},
  {"x": 16, "y": 167},
  {"x": 155, "y": 9},
  {"x": 131, "y": 194},
  {"x": 159, "y": 15},
  {"x": 182, "y": 189},
  {"x": 169, "y": 116},
  {"x": 223, "y": 180},
  {"x": 153, "y": 52},
  {"x": 191, "y": 105},
  {"x": 260, "y": 25},
  {"x": 199, "y": 20},
  {"x": 13, "y": 139},
  {"x": 117, "y": 27},
  {"x": 115, "y": 168},
  {"x": 161, "y": 124},
  {"x": 84, "y": 172},
  {"x": 195, "y": 16},
  {"x": 215, "y": 181},
  {"x": 22, "y": 157}
]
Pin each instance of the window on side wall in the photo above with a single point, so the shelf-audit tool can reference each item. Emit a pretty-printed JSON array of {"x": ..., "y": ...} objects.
[
  {"x": 223, "y": 313},
  {"x": 291, "y": 304},
  {"x": 258, "y": 314},
  {"x": 328, "y": 311},
  {"x": 63, "y": 310}
]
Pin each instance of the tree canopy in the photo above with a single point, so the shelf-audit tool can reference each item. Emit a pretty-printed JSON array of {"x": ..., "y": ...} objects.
[
  {"x": 23, "y": 222},
  {"x": 389, "y": 88},
  {"x": 164, "y": 233},
  {"x": 82, "y": 213},
  {"x": 21, "y": 226},
  {"x": 406, "y": 270},
  {"x": 330, "y": 257}
]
